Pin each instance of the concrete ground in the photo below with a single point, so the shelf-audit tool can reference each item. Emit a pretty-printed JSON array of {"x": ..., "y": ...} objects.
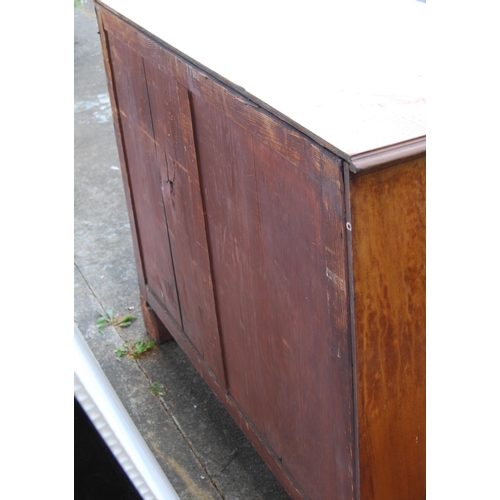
[{"x": 200, "y": 448}]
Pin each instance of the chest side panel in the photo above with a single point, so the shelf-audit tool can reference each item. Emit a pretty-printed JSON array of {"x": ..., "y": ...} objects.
[{"x": 388, "y": 220}]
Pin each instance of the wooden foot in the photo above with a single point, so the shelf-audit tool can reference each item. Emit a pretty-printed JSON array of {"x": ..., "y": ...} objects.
[{"x": 154, "y": 325}]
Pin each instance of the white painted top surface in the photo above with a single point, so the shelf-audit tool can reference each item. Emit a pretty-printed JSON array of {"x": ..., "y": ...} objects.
[{"x": 350, "y": 72}]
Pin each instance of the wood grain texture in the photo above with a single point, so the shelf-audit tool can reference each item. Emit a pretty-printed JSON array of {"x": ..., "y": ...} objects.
[
  {"x": 177, "y": 162},
  {"x": 388, "y": 221},
  {"x": 121, "y": 150},
  {"x": 144, "y": 179},
  {"x": 275, "y": 219},
  {"x": 387, "y": 156},
  {"x": 154, "y": 326},
  {"x": 243, "y": 217},
  {"x": 279, "y": 260},
  {"x": 269, "y": 129}
]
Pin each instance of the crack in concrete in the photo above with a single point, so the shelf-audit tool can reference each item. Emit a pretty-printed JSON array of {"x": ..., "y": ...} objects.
[
  {"x": 233, "y": 455},
  {"x": 97, "y": 299},
  {"x": 187, "y": 441}
]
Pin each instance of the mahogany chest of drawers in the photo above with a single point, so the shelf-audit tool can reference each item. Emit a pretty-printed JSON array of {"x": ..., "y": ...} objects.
[{"x": 291, "y": 273}]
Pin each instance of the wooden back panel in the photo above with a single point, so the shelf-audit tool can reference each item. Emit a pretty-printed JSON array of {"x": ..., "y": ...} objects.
[
  {"x": 140, "y": 168},
  {"x": 279, "y": 261},
  {"x": 255, "y": 216},
  {"x": 161, "y": 166},
  {"x": 388, "y": 220}
]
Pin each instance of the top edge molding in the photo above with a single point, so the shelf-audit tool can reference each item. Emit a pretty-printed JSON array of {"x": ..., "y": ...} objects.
[{"x": 388, "y": 155}]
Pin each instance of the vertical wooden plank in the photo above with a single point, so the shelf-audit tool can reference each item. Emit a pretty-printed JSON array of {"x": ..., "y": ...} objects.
[
  {"x": 176, "y": 156},
  {"x": 142, "y": 170},
  {"x": 120, "y": 145},
  {"x": 340, "y": 341},
  {"x": 388, "y": 226},
  {"x": 352, "y": 322},
  {"x": 133, "y": 108}
]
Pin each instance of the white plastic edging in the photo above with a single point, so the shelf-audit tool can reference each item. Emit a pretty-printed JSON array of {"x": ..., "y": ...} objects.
[{"x": 101, "y": 403}]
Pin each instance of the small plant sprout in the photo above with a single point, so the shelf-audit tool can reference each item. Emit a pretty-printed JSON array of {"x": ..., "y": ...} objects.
[
  {"x": 104, "y": 320},
  {"x": 120, "y": 352},
  {"x": 135, "y": 349},
  {"x": 108, "y": 318},
  {"x": 156, "y": 389},
  {"x": 140, "y": 347},
  {"x": 126, "y": 321}
]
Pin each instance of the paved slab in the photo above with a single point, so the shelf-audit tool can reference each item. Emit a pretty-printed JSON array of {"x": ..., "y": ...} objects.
[{"x": 200, "y": 448}]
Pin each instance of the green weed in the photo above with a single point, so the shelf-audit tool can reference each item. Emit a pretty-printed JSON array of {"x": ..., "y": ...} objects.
[
  {"x": 135, "y": 349},
  {"x": 108, "y": 318},
  {"x": 156, "y": 389}
]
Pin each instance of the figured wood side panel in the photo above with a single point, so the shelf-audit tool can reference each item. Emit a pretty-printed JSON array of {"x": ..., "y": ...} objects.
[{"x": 388, "y": 221}]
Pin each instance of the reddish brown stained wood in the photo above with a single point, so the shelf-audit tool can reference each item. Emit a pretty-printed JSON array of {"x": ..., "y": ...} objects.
[
  {"x": 171, "y": 114},
  {"x": 145, "y": 186},
  {"x": 156, "y": 134},
  {"x": 388, "y": 156},
  {"x": 233, "y": 408},
  {"x": 148, "y": 45},
  {"x": 337, "y": 290},
  {"x": 155, "y": 327},
  {"x": 153, "y": 324},
  {"x": 274, "y": 213},
  {"x": 121, "y": 151},
  {"x": 297, "y": 148},
  {"x": 284, "y": 336},
  {"x": 388, "y": 220}
]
